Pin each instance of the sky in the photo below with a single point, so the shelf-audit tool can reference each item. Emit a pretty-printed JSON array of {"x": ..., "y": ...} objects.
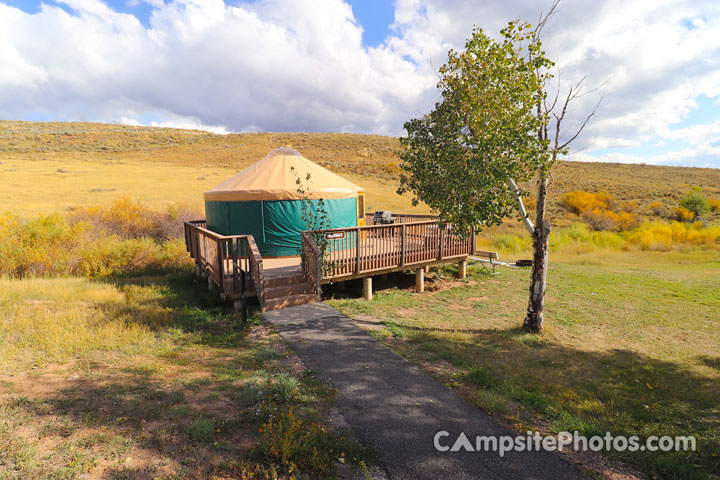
[{"x": 358, "y": 66}]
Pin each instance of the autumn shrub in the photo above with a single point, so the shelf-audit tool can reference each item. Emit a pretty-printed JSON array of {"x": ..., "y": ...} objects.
[
  {"x": 630, "y": 206},
  {"x": 657, "y": 235},
  {"x": 656, "y": 208},
  {"x": 714, "y": 204},
  {"x": 608, "y": 220},
  {"x": 600, "y": 219},
  {"x": 580, "y": 202},
  {"x": 683, "y": 214},
  {"x": 665, "y": 236},
  {"x": 601, "y": 211},
  {"x": 530, "y": 203},
  {"x": 53, "y": 245},
  {"x": 696, "y": 203},
  {"x": 129, "y": 219}
]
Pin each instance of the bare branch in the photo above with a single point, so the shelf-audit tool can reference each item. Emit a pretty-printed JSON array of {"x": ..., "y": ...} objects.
[
  {"x": 587, "y": 119},
  {"x": 543, "y": 19}
]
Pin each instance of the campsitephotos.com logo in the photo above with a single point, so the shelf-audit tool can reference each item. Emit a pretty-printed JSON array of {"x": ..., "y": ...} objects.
[{"x": 502, "y": 444}]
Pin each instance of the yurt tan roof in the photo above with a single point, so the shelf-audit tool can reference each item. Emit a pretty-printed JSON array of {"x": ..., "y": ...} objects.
[{"x": 275, "y": 176}]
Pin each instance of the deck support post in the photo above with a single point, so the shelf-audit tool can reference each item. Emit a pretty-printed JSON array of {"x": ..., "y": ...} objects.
[
  {"x": 210, "y": 283},
  {"x": 198, "y": 270},
  {"x": 462, "y": 268},
  {"x": 420, "y": 280},
  {"x": 367, "y": 288}
]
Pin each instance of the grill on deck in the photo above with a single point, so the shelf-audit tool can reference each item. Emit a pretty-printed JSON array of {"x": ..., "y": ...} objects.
[{"x": 384, "y": 218}]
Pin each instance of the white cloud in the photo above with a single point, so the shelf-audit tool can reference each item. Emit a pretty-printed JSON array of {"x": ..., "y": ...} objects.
[
  {"x": 693, "y": 157},
  {"x": 174, "y": 121},
  {"x": 698, "y": 135},
  {"x": 300, "y": 65},
  {"x": 272, "y": 65}
]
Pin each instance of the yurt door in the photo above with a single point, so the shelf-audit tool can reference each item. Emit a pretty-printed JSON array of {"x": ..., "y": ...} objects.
[{"x": 361, "y": 209}]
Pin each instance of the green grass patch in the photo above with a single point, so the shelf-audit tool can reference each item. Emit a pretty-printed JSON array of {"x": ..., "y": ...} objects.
[{"x": 630, "y": 346}]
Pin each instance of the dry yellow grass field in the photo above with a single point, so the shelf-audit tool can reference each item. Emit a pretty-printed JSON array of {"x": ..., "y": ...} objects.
[
  {"x": 55, "y": 165},
  {"x": 130, "y": 377}
]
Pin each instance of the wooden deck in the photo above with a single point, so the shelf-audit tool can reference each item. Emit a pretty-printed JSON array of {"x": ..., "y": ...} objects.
[{"x": 355, "y": 252}]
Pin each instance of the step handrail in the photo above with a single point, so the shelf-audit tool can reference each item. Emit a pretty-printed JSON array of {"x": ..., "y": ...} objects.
[
  {"x": 311, "y": 261},
  {"x": 211, "y": 250}
]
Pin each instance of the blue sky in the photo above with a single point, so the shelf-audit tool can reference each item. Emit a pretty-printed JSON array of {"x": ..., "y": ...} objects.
[{"x": 357, "y": 66}]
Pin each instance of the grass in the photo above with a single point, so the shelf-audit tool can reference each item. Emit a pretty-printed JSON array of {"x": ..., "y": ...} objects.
[
  {"x": 152, "y": 377},
  {"x": 631, "y": 346},
  {"x": 78, "y": 164}
]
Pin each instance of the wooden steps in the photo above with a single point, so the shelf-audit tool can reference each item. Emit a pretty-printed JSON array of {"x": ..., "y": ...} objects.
[
  {"x": 287, "y": 287},
  {"x": 290, "y": 301}
]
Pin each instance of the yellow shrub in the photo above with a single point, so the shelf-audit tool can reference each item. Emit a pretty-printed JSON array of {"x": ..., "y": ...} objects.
[
  {"x": 714, "y": 204},
  {"x": 530, "y": 203},
  {"x": 682, "y": 214},
  {"x": 52, "y": 246},
  {"x": 656, "y": 208},
  {"x": 630, "y": 206},
  {"x": 665, "y": 236},
  {"x": 626, "y": 221},
  {"x": 580, "y": 202},
  {"x": 129, "y": 219},
  {"x": 657, "y": 235}
]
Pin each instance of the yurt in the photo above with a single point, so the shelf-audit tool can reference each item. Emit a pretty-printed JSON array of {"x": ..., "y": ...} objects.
[{"x": 263, "y": 201}]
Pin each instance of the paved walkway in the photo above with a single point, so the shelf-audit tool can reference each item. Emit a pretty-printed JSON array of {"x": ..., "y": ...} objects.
[{"x": 396, "y": 408}]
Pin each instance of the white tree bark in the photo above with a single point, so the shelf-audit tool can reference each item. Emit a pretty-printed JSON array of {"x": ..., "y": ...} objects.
[{"x": 521, "y": 207}]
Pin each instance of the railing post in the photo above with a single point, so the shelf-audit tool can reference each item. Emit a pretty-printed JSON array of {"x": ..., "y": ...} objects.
[
  {"x": 357, "y": 251},
  {"x": 403, "y": 242},
  {"x": 243, "y": 298},
  {"x": 440, "y": 243},
  {"x": 221, "y": 261},
  {"x": 473, "y": 245},
  {"x": 204, "y": 253},
  {"x": 235, "y": 261},
  {"x": 319, "y": 278}
]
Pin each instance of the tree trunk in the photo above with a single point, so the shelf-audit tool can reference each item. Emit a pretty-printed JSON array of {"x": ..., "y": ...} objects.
[{"x": 534, "y": 319}]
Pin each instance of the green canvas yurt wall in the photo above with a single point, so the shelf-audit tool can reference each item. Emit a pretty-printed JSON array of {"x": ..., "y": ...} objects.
[{"x": 263, "y": 201}]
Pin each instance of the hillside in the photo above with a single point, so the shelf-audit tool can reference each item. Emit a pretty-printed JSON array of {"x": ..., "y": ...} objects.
[{"x": 56, "y": 165}]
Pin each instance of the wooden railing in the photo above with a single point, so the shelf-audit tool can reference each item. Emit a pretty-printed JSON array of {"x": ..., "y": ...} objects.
[
  {"x": 403, "y": 218},
  {"x": 356, "y": 251},
  {"x": 215, "y": 255},
  {"x": 311, "y": 261}
]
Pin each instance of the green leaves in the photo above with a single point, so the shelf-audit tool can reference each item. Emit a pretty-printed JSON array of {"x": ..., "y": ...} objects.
[{"x": 485, "y": 129}]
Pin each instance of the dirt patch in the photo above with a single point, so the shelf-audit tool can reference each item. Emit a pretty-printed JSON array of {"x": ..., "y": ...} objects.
[
  {"x": 406, "y": 312},
  {"x": 368, "y": 322}
]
